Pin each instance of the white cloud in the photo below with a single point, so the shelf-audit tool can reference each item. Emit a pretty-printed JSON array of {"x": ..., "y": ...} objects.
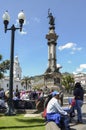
[
  {"x": 81, "y": 68},
  {"x": 23, "y": 32},
  {"x": 74, "y": 73},
  {"x": 66, "y": 46},
  {"x": 72, "y": 52},
  {"x": 70, "y": 45},
  {"x": 69, "y": 62},
  {"x": 59, "y": 66},
  {"x": 37, "y": 20}
]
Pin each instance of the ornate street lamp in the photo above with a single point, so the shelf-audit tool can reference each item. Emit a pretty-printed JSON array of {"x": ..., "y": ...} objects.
[{"x": 6, "y": 19}]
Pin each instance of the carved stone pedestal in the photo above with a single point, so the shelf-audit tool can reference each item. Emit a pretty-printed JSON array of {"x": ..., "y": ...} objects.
[{"x": 53, "y": 80}]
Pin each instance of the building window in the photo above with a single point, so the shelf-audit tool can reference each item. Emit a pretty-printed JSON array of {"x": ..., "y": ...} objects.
[
  {"x": 7, "y": 85},
  {"x": 18, "y": 75},
  {"x": 16, "y": 86}
]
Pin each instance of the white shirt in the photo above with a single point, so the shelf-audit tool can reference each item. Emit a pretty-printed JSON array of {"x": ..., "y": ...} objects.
[{"x": 54, "y": 107}]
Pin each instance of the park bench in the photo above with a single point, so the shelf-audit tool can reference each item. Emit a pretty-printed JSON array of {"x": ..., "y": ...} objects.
[{"x": 24, "y": 104}]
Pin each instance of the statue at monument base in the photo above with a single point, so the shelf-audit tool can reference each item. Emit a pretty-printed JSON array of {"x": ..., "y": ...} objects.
[{"x": 53, "y": 80}]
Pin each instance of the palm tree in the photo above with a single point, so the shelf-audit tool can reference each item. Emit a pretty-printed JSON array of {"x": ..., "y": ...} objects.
[
  {"x": 26, "y": 81},
  {"x": 1, "y": 75},
  {"x": 68, "y": 82},
  {"x": 4, "y": 66},
  {"x": 0, "y": 57}
]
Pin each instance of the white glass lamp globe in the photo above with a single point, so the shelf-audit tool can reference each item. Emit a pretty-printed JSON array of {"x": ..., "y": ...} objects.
[
  {"x": 6, "y": 16},
  {"x": 21, "y": 15}
]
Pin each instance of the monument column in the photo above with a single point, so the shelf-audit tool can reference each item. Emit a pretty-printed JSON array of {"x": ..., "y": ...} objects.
[
  {"x": 52, "y": 74},
  {"x": 52, "y": 38}
]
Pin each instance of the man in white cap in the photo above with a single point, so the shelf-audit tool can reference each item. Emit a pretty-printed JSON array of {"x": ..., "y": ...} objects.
[{"x": 56, "y": 113}]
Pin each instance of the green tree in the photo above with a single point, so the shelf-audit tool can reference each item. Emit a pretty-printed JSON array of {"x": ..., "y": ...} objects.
[
  {"x": 68, "y": 82},
  {"x": 4, "y": 66},
  {"x": 26, "y": 81}
]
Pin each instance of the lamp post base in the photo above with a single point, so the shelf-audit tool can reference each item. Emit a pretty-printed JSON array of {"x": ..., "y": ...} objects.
[{"x": 10, "y": 112}]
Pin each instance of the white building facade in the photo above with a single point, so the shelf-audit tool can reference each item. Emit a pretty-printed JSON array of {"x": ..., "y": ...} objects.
[{"x": 4, "y": 83}]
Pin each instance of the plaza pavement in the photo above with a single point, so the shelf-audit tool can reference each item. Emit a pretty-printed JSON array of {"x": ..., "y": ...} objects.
[
  {"x": 80, "y": 126},
  {"x": 73, "y": 124}
]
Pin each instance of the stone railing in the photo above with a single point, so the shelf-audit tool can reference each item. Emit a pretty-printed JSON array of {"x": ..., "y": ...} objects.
[{"x": 65, "y": 99}]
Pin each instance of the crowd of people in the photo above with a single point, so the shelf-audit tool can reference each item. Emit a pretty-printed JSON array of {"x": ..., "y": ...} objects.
[
  {"x": 52, "y": 101},
  {"x": 23, "y": 95},
  {"x": 61, "y": 116}
]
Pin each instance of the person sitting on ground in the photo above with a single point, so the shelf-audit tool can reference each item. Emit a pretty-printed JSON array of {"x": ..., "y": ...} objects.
[{"x": 56, "y": 113}]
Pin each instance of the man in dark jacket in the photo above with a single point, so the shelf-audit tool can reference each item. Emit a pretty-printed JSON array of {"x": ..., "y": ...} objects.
[{"x": 79, "y": 95}]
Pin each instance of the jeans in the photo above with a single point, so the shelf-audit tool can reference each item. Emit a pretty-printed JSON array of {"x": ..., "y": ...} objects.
[
  {"x": 65, "y": 120},
  {"x": 60, "y": 120},
  {"x": 78, "y": 106}
]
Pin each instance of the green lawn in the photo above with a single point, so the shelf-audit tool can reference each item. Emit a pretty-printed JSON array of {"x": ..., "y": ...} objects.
[{"x": 19, "y": 122}]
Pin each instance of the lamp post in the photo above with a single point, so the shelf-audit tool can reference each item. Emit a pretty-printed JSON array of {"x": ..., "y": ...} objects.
[{"x": 6, "y": 19}]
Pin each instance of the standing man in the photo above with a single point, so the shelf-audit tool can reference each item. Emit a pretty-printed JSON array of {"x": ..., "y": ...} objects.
[
  {"x": 79, "y": 96},
  {"x": 56, "y": 113}
]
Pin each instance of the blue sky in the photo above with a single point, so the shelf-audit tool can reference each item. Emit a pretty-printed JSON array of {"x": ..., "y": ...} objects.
[{"x": 31, "y": 45}]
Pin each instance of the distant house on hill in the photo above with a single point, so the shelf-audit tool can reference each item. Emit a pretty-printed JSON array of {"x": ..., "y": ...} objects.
[{"x": 80, "y": 77}]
